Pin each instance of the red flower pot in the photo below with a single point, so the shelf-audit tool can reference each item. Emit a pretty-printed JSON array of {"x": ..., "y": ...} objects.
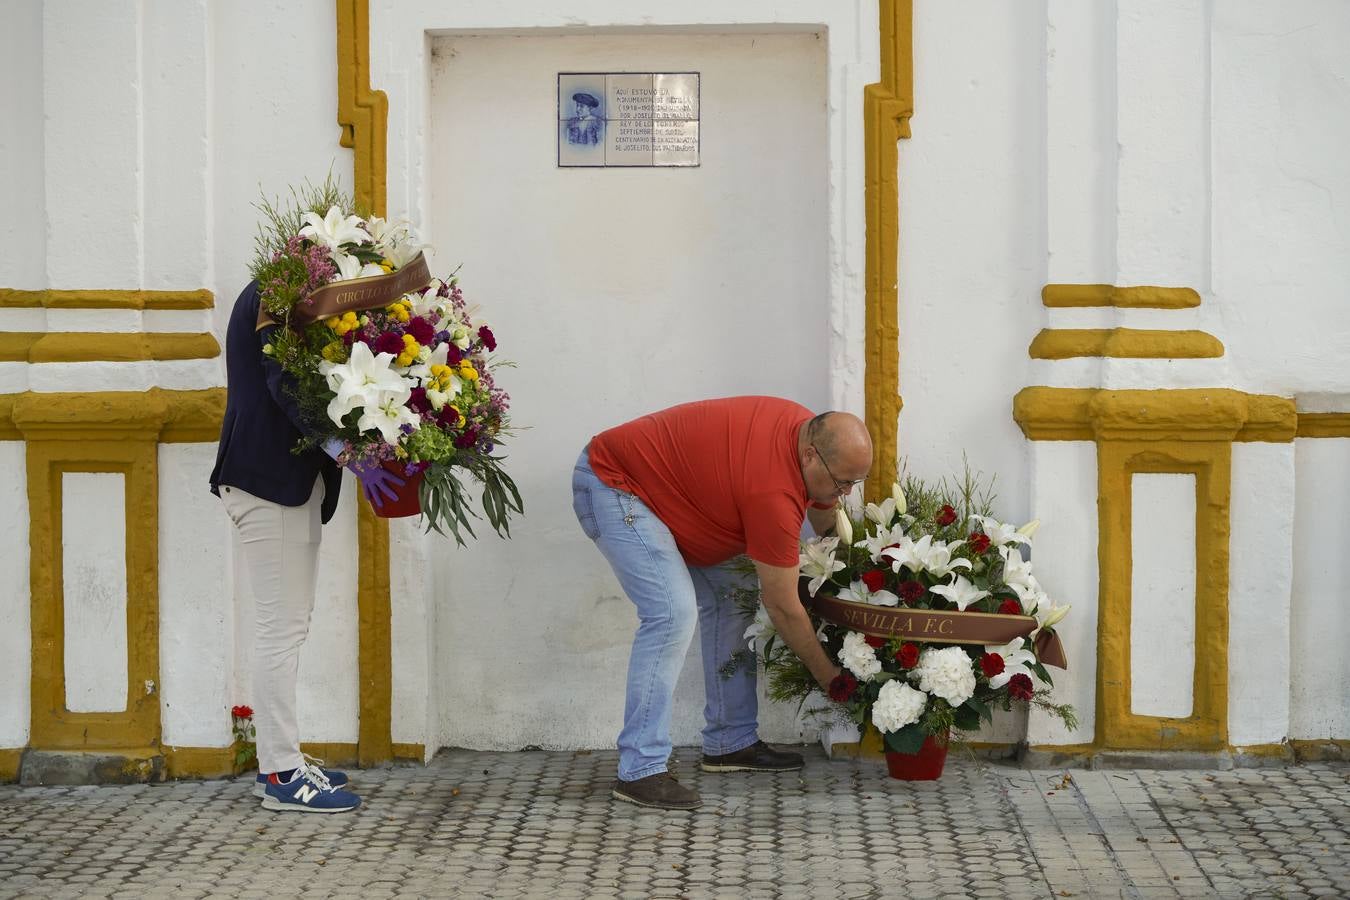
[
  {"x": 406, "y": 501},
  {"x": 926, "y": 765}
]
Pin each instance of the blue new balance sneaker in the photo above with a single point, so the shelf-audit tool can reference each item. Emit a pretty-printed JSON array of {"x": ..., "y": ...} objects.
[
  {"x": 335, "y": 778},
  {"x": 307, "y": 791}
]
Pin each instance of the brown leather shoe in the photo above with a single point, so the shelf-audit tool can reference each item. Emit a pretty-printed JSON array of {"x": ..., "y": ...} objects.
[
  {"x": 758, "y": 757},
  {"x": 660, "y": 791}
]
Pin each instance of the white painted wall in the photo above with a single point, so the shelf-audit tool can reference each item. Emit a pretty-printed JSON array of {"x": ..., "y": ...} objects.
[
  {"x": 196, "y": 612},
  {"x": 1162, "y": 595},
  {"x": 1319, "y": 616},
  {"x": 94, "y": 590},
  {"x": 16, "y": 638},
  {"x": 1260, "y": 577},
  {"x": 23, "y": 238}
]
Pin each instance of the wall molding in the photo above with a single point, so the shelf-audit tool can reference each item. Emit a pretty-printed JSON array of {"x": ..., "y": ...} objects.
[
  {"x": 98, "y": 346},
  {"x": 1063, "y": 296},
  {"x": 1124, "y": 343},
  {"x": 11, "y": 298}
]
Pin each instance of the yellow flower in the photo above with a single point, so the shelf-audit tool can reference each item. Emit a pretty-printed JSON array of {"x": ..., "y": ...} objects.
[
  {"x": 332, "y": 322},
  {"x": 468, "y": 372},
  {"x": 334, "y": 352}
]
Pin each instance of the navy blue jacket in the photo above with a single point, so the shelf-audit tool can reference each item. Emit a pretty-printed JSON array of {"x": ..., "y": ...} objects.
[{"x": 262, "y": 422}]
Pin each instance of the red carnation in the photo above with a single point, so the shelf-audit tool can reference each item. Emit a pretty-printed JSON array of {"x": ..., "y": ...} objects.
[
  {"x": 911, "y": 592},
  {"x": 1010, "y": 607},
  {"x": 842, "y": 687},
  {"x": 908, "y": 655},
  {"x": 467, "y": 439},
  {"x": 991, "y": 664},
  {"x": 389, "y": 343},
  {"x": 875, "y": 642},
  {"x": 875, "y": 579},
  {"x": 453, "y": 354},
  {"x": 1020, "y": 687},
  {"x": 946, "y": 515},
  {"x": 978, "y": 542},
  {"x": 418, "y": 401},
  {"x": 447, "y": 416},
  {"x": 242, "y": 712},
  {"x": 422, "y": 331},
  {"x": 489, "y": 340}
]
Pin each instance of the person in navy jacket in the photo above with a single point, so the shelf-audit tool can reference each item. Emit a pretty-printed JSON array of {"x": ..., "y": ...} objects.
[{"x": 277, "y": 500}]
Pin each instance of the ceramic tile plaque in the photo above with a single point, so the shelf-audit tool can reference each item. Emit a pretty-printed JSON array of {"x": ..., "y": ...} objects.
[{"x": 628, "y": 119}]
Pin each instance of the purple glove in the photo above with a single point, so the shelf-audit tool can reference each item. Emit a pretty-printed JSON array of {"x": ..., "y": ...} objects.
[{"x": 376, "y": 481}]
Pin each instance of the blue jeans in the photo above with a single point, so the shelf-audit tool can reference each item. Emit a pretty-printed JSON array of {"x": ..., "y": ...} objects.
[{"x": 670, "y": 597}]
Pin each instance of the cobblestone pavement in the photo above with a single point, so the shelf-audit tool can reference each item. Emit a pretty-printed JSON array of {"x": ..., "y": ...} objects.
[{"x": 537, "y": 824}]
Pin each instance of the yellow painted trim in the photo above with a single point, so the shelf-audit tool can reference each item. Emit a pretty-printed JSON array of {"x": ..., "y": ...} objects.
[
  {"x": 1059, "y": 296},
  {"x": 416, "y": 752},
  {"x": 870, "y": 746},
  {"x": 363, "y": 114},
  {"x": 9, "y": 765},
  {"x": 887, "y": 108},
  {"x": 155, "y": 415},
  {"x": 199, "y": 762},
  {"x": 1124, "y": 343},
  {"x": 1325, "y": 750},
  {"x": 1324, "y": 425},
  {"x": 1193, "y": 414},
  {"x": 1118, "y": 727},
  {"x": 98, "y": 299},
  {"x": 52, "y": 726},
  {"x": 71, "y": 346},
  {"x": 1265, "y": 751}
]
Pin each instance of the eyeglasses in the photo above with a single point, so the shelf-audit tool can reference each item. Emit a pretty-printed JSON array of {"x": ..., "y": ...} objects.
[{"x": 842, "y": 487}]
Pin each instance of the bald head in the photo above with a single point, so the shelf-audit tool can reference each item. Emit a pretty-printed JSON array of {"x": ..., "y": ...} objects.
[{"x": 843, "y": 440}]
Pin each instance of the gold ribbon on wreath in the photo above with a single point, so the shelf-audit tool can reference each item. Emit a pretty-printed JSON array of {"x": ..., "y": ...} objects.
[
  {"x": 937, "y": 626},
  {"x": 355, "y": 294}
]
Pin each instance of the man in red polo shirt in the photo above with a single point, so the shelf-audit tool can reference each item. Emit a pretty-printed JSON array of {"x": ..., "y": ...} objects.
[{"x": 668, "y": 498}]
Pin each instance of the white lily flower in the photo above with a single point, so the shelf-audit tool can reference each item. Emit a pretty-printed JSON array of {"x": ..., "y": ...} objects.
[
  {"x": 760, "y": 628},
  {"x": 1016, "y": 659},
  {"x": 883, "y": 513},
  {"x": 1048, "y": 615},
  {"x": 365, "y": 380},
  {"x": 430, "y": 305},
  {"x": 334, "y": 229},
  {"x": 1031, "y": 595},
  {"x": 350, "y": 267},
  {"x": 842, "y": 526},
  {"x": 858, "y": 593},
  {"x": 1015, "y": 569},
  {"x": 401, "y": 245},
  {"x": 817, "y": 561},
  {"x": 884, "y": 537},
  {"x": 962, "y": 592},
  {"x": 898, "y": 495},
  {"x": 388, "y": 417},
  {"x": 1029, "y": 529},
  {"x": 999, "y": 533},
  {"x": 926, "y": 555}
]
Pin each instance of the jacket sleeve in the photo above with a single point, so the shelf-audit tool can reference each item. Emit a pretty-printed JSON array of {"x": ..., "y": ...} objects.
[{"x": 281, "y": 386}]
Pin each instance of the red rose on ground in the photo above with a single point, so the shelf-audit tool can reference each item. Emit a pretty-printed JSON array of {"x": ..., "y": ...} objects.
[
  {"x": 874, "y": 641},
  {"x": 946, "y": 515},
  {"x": 979, "y": 542},
  {"x": 875, "y": 579},
  {"x": 908, "y": 655},
  {"x": 842, "y": 687},
  {"x": 1020, "y": 687},
  {"x": 242, "y": 712},
  {"x": 991, "y": 664},
  {"x": 1010, "y": 607},
  {"x": 911, "y": 592}
]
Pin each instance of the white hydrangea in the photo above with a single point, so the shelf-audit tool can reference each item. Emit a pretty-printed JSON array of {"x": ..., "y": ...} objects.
[
  {"x": 897, "y": 705},
  {"x": 947, "y": 673},
  {"x": 858, "y": 657}
]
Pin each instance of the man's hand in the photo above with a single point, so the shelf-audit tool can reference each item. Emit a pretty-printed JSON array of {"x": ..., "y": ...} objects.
[{"x": 778, "y": 592}]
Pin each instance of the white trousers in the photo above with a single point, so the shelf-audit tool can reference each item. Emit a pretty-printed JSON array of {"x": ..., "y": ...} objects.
[{"x": 281, "y": 553}]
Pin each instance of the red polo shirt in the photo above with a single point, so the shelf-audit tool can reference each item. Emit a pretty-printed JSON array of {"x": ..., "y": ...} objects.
[{"x": 723, "y": 475}]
